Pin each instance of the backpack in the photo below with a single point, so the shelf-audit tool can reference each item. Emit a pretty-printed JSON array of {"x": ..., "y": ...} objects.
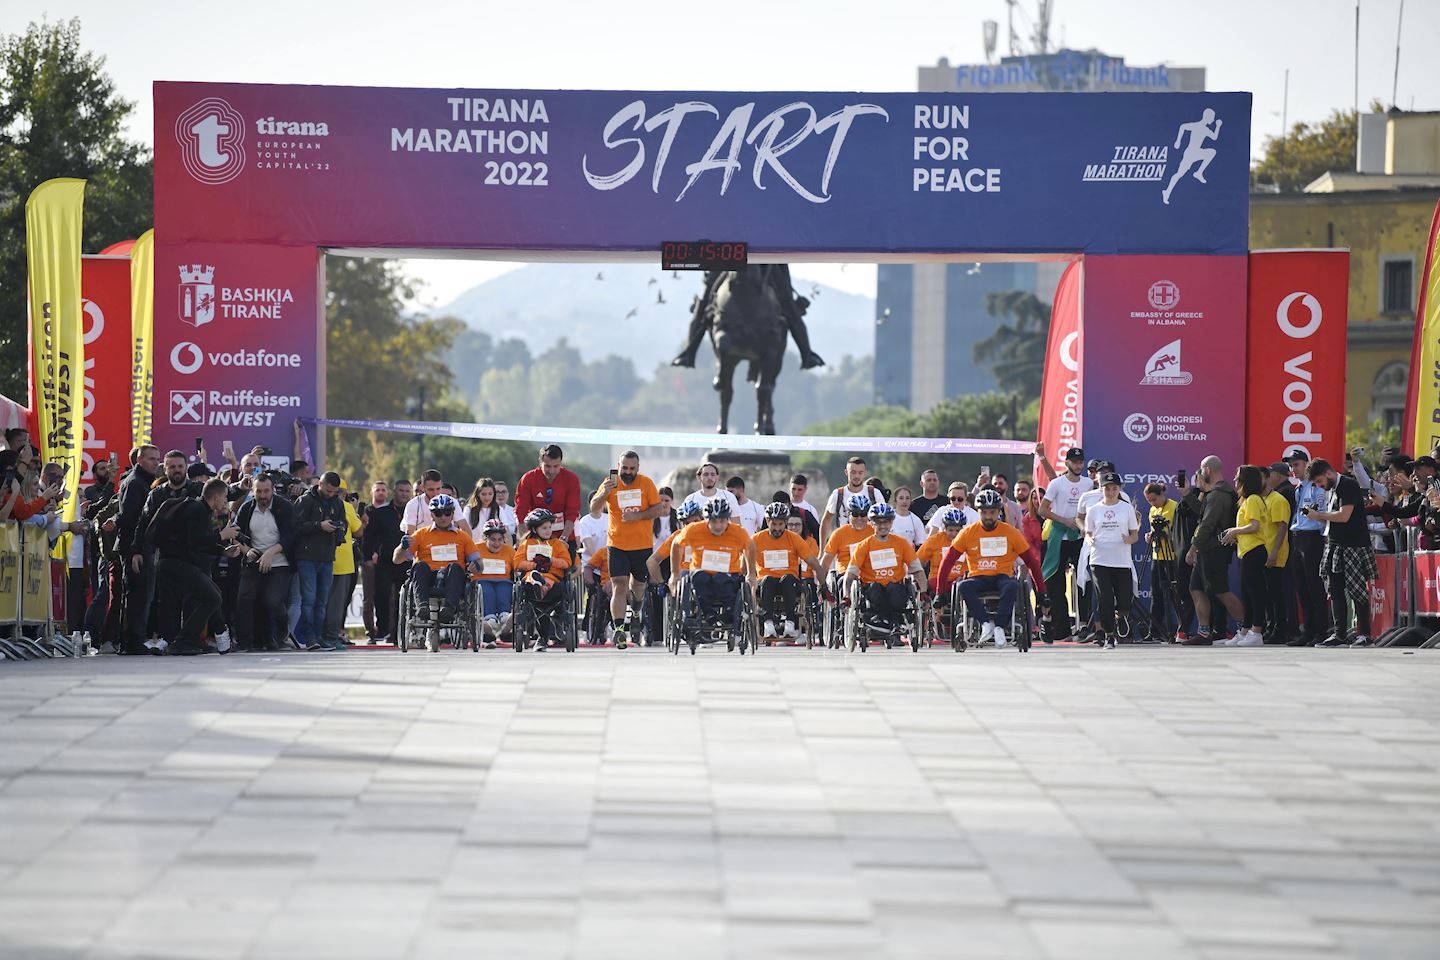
[{"x": 166, "y": 532}]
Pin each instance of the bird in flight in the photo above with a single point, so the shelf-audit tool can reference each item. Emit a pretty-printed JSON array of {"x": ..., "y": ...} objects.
[
  {"x": 651, "y": 282},
  {"x": 659, "y": 296},
  {"x": 633, "y": 312},
  {"x": 600, "y": 275}
]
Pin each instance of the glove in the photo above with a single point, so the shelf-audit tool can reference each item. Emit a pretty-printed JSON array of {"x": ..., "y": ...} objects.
[
  {"x": 827, "y": 595},
  {"x": 542, "y": 564},
  {"x": 661, "y": 589},
  {"x": 845, "y": 603},
  {"x": 405, "y": 540}
]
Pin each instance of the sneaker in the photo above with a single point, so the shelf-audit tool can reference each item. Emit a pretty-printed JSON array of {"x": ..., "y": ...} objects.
[
  {"x": 770, "y": 631},
  {"x": 541, "y": 644},
  {"x": 1334, "y": 640},
  {"x": 297, "y": 643},
  {"x": 490, "y": 626},
  {"x": 621, "y": 640},
  {"x": 1301, "y": 642},
  {"x": 423, "y": 614},
  {"x": 1201, "y": 639},
  {"x": 489, "y": 644},
  {"x": 1181, "y": 636},
  {"x": 800, "y": 638},
  {"x": 1109, "y": 643},
  {"x": 186, "y": 649},
  {"x": 432, "y": 641},
  {"x": 1360, "y": 641},
  {"x": 1233, "y": 641},
  {"x": 447, "y": 614},
  {"x": 999, "y": 634},
  {"x": 789, "y": 628},
  {"x": 987, "y": 631},
  {"x": 222, "y": 642},
  {"x": 1252, "y": 639},
  {"x": 157, "y": 647}
]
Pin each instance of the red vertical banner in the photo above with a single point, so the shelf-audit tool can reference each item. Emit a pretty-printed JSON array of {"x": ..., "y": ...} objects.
[
  {"x": 1295, "y": 361},
  {"x": 1060, "y": 393},
  {"x": 105, "y": 303}
]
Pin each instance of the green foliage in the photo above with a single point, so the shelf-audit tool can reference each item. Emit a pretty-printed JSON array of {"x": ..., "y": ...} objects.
[
  {"x": 559, "y": 386},
  {"x": 1309, "y": 149},
  {"x": 1374, "y": 437},
  {"x": 1016, "y": 350},
  {"x": 977, "y": 415},
  {"x": 60, "y": 117}
]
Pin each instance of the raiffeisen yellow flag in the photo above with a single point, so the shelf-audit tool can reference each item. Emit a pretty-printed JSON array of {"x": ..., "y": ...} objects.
[
  {"x": 53, "y": 217},
  {"x": 142, "y": 333},
  {"x": 1422, "y": 406}
]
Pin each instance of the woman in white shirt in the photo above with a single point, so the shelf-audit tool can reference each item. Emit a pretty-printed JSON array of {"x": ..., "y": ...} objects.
[
  {"x": 507, "y": 512},
  {"x": 907, "y": 524},
  {"x": 1111, "y": 527}
]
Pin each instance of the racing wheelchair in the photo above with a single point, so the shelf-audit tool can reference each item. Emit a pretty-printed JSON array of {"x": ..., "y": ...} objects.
[
  {"x": 462, "y": 630},
  {"x": 966, "y": 631},
  {"x": 735, "y": 627},
  {"x": 862, "y": 627},
  {"x": 561, "y": 615}
]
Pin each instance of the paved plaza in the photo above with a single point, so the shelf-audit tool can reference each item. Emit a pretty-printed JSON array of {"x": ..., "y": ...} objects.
[{"x": 1145, "y": 803}]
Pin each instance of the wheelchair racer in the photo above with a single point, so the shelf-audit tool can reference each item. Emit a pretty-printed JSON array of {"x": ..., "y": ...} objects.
[
  {"x": 496, "y": 580},
  {"x": 439, "y": 550},
  {"x": 932, "y": 552},
  {"x": 659, "y": 563},
  {"x": 990, "y": 548},
  {"x": 722, "y": 556},
  {"x": 842, "y": 540},
  {"x": 779, "y": 554},
  {"x": 881, "y": 563},
  {"x": 542, "y": 558}
]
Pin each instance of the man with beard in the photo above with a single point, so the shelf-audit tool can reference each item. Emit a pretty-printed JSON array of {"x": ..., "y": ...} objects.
[
  {"x": 990, "y": 547},
  {"x": 138, "y": 563},
  {"x": 267, "y": 527},
  {"x": 382, "y": 536},
  {"x": 177, "y": 486}
]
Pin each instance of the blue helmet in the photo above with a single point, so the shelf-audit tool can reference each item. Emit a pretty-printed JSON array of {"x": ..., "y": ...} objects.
[
  {"x": 953, "y": 518},
  {"x": 717, "y": 509},
  {"x": 882, "y": 511},
  {"x": 443, "y": 503},
  {"x": 859, "y": 505},
  {"x": 687, "y": 510}
]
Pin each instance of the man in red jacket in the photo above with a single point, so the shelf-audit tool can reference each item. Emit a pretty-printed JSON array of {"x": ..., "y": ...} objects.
[{"x": 552, "y": 487}]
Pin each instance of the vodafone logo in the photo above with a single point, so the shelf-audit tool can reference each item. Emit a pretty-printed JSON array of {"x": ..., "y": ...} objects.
[
  {"x": 186, "y": 357},
  {"x": 1067, "y": 352},
  {"x": 1298, "y": 429},
  {"x": 211, "y": 135}
]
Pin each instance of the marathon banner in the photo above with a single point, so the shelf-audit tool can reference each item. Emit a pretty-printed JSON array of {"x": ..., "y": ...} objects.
[
  {"x": 1389, "y": 593},
  {"x": 662, "y": 438},
  {"x": 1295, "y": 358},
  {"x": 1422, "y": 406},
  {"x": 53, "y": 217},
  {"x": 142, "y": 327},
  {"x": 1426, "y": 564},
  {"x": 236, "y": 344},
  {"x": 1060, "y": 394},
  {"x": 105, "y": 284},
  {"x": 787, "y": 173},
  {"x": 1164, "y": 350}
]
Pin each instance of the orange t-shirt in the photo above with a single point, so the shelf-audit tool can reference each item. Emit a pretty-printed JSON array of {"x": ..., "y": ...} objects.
[
  {"x": 528, "y": 549},
  {"x": 662, "y": 552},
  {"x": 990, "y": 552},
  {"x": 437, "y": 549},
  {"x": 778, "y": 556},
  {"x": 499, "y": 565},
  {"x": 631, "y": 534},
  {"x": 715, "y": 554},
  {"x": 842, "y": 539},
  {"x": 807, "y": 572},
  {"x": 883, "y": 561},
  {"x": 600, "y": 561},
  {"x": 932, "y": 551}
]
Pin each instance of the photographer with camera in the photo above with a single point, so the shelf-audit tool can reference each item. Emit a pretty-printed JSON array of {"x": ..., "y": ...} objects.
[
  {"x": 267, "y": 530},
  {"x": 319, "y": 528},
  {"x": 16, "y": 470},
  {"x": 184, "y": 534}
]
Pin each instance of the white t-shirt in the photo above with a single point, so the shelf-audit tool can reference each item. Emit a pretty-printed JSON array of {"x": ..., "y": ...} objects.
[
  {"x": 417, "y": 515},
  {"x": 840, "y": 496},
  {"x": 591, "y": 533},
  {"x": 909, "y": 527},
  {"x": 937, "y": 521},
  {"x": 665, "y": 530},
  {"x": 806, "y": 505},
  {"x": 511, "y": 520},
  {"x": 1063, "y": 494},
  {"x": 1107, "y": 525},
  {"x": 751, "y": 516},
  {"x": 701, "y": 499},
  {"x": 1093, "y": 496}
]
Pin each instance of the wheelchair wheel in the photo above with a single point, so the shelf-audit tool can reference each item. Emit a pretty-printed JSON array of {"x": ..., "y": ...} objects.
[
  {"x": 407, "y": 613},
  {"x": 917, "y": 621},
  {"x": 523, "y": 619},
  {"x": 572, "y": 623},
  {"x": 749, "y": 621}
]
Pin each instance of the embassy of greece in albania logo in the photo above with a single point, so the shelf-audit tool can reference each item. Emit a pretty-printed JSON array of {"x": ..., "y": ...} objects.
[{"x": 212, "y": 134}]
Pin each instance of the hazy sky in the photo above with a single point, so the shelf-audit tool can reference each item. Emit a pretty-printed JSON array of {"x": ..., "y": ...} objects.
[{"x": 790, "y": 45}]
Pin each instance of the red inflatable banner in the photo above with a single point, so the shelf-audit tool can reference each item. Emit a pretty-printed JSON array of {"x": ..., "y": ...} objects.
[
  {"x": 1295, "y": 368},
  {"x": 1060, "y": 393},
  {"x": 105, "y": 291}
]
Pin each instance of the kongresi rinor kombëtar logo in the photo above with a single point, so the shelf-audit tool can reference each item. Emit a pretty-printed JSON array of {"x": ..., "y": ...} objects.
[
  {"x": 211, "y": 135},
  {"x": 1163, "y": 368},
  {"x": 197, "y": 294}
]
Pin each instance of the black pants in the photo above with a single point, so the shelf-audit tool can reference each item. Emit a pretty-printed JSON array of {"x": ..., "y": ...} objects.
[
  {"x": 95, "y": 612},
  {"x": 449, "y": 581},
  {"x": 76, "y": 587},
  {"x": 887, "y": 599},
  {"x": 716, "y": 591},
  {"x": 1061, "y": 626},
  {"x": 1277, "y": 618},
  {"x": 1167, "y": 587},
  {"x": 271, "y": 592},
  {"x": 197, "y": 597},
  {"x": 342, "y": 587},
  {"x": 139, "y": 591},
  {"x": 1306, "y": 548},
  {"x": 388, "y": 579},
  {"x": 1339, "y": 616},
  {"x": 778, "y": 596},
  {"x": 1253, "y": 592},
  {"x": 1113, "y": 593}
]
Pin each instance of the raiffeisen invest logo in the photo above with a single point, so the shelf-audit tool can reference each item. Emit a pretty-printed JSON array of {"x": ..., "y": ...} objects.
[{"x": 211, "y": 135}]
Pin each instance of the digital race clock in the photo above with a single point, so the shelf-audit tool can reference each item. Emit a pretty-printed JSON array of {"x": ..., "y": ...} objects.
[{"x": 703, "y": 255}]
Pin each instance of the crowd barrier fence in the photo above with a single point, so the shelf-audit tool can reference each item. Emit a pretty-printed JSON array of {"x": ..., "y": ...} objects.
[
  {"x": 27, "y": 613},
  {"x": 1406, "y": 592}
]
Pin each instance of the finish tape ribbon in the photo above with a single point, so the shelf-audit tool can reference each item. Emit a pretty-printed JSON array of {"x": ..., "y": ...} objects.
[{"x": 665, "y": 438}]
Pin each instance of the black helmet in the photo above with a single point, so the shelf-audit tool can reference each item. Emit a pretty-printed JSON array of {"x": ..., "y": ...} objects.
[{"x": 536, "y": 519}]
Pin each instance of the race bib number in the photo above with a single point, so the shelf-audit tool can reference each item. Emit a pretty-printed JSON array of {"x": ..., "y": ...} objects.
[
  {"x": 689, "y": 557},
  {"x": 777, "y": 559},
  {"x": 537, "y": 550},
  {"x": 882, "y": 559},
  {"x": 993, "y": 546},
  {"x": 493, "y": 568},
  {"x": 445, "y": 553},
  {"x": 629, "y": 498},
  {"x": 716, "y": 561}
]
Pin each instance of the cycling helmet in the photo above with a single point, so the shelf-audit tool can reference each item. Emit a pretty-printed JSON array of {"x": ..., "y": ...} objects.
[
  {"x": 953, "y": 518},
  {"x": 443, "y": 503},
  {"x": 494, "y": 525},
  {"x": 989, "y": 499},
  {"x": 777, "y": 511},
  {"x": 859, "y": 505},
  {"x": 882, "y": 511},
  {"x": 535, "y": 519},
  {"x": 687, "y": 510},
  {"x": 717, "y": 509}
]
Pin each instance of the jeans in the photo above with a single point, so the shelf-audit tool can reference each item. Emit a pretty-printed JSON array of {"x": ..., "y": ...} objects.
[
  {"x": 314, "y": 577},
  {"x": 197, "y": 597},
  {"x": 272, "y": 591},
  {"x": 778, "y": 596},
  {"x": 715, "y": 591},
  {"x": 342, "y": 585},
  {"x": 1113, "y": 586},
  {"x": 1007, "y": 587},
  {"x": 96, "y": 613},
  {"x": 496, "y": 596}
]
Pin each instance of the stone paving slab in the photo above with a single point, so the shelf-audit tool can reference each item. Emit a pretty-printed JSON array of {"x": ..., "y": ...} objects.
[{"x": 1152, "y": 803}]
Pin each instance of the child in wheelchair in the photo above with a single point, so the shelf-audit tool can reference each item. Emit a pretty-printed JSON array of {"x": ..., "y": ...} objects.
[
  {"x": 932, "y": 552},
  {"x": 496, "y": 581},
  {"x": 780, "y": 553},
  {"x": 886, "y": 568},
  {"x": 722, "y": 555},
  {"x": 541, "y": 561},
  {"x": 809, "y": 584}
]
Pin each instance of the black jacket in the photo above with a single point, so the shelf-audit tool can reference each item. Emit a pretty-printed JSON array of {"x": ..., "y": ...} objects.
[
  {"x": 134, "y": 489},
  {"x": 382, "y": 533},
  {"x": 158, "y": 495},
  {"x": 284, "y": 514},
  {"x": 311, "y": 542},
  {"x": 1221, "y": 502},
  {"x": 201, "y": 543}
]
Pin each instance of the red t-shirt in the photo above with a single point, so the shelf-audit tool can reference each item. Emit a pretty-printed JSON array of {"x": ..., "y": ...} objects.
[{"x": 561, "y": 497}]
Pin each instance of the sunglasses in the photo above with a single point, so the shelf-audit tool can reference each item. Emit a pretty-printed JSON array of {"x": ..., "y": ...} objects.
[
  {"x": 958, "y": 498},
  {"x": 443, "y": 513}
]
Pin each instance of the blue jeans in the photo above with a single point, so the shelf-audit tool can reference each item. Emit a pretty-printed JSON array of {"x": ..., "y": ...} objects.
[
  {"x": 314, "y": 577},
  {"x": 1006, "y": 587},
  {"x": 497, "y": 596}
]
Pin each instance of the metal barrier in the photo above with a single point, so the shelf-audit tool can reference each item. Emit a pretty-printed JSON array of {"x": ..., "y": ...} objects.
[
  {"x": 1405, "y": 593},
  {"x": 27, "y": 625}
]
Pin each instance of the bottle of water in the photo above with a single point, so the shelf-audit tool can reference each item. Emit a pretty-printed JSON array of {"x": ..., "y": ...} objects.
[{"x": 80, "y": 644}]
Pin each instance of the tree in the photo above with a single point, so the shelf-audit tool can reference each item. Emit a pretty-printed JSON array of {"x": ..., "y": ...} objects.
[
  {"x": 60, "y": 117},
  {"x": 1308, "y": 150},
  {"x": 1016, "y": 350}
]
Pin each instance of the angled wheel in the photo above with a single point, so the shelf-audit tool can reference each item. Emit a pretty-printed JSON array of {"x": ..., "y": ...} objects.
[
  {"x": 572, "y": 624},
  {"x": 407, "y": 614}
]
